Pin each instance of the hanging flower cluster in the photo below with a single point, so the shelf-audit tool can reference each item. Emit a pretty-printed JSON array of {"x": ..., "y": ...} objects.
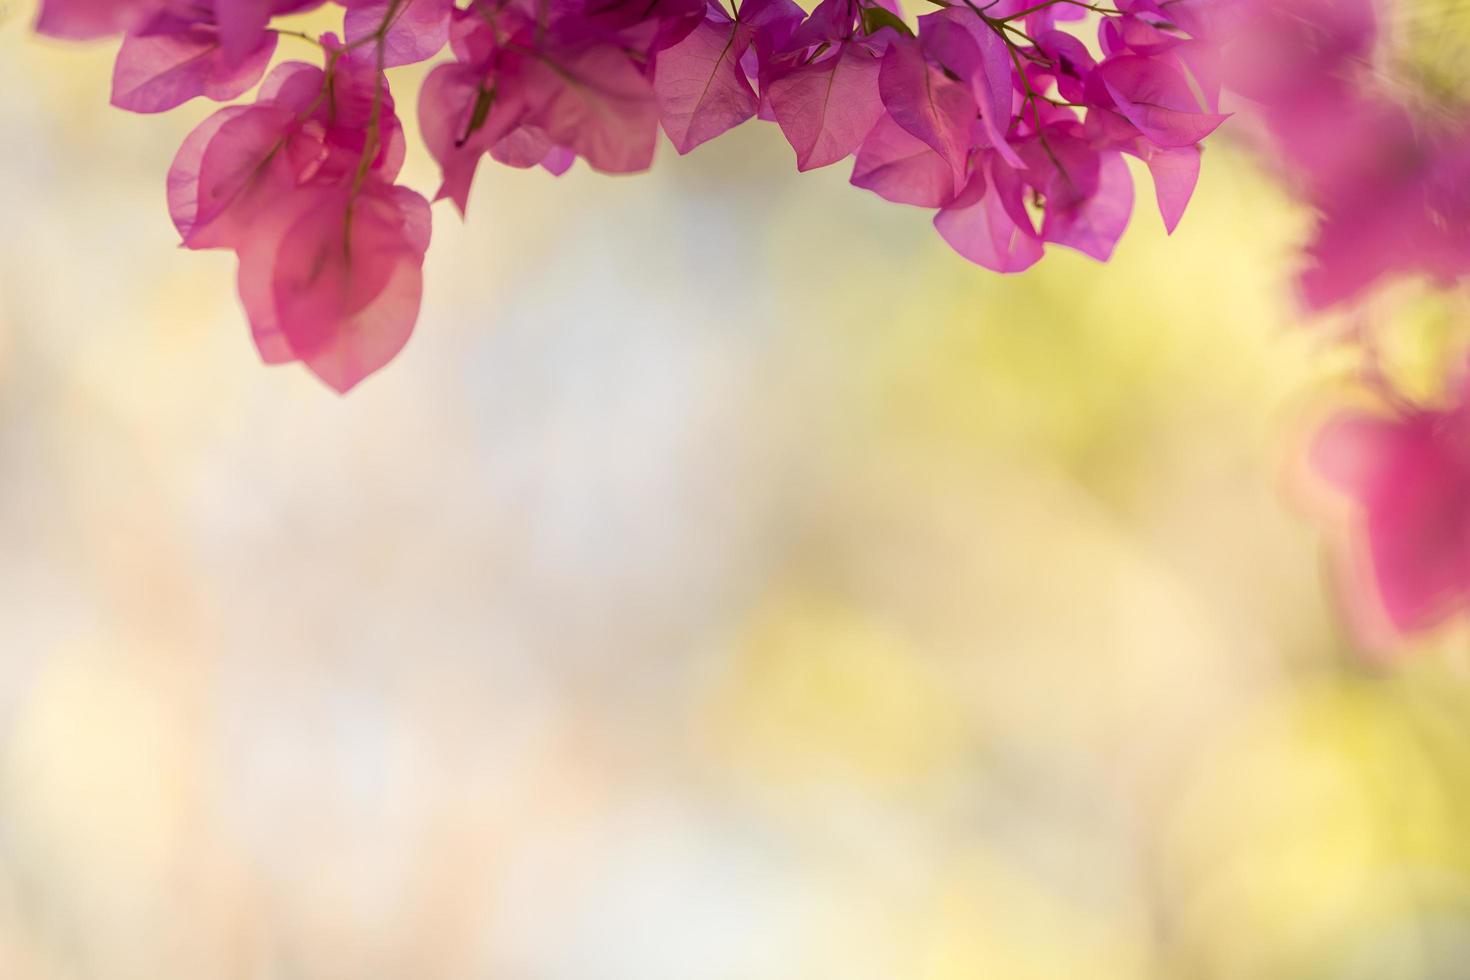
[
  {"x": 1008, "y": 119},
  {"x": 999, "y": 118}
]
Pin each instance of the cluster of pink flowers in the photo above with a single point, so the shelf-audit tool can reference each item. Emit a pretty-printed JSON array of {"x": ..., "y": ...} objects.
[
  {"x": 996, "y": 117},
  {"x": 1009, "y": 119}
]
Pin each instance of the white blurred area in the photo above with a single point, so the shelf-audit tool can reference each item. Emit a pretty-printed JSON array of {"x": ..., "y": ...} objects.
[{"x": 727, "y": 581}]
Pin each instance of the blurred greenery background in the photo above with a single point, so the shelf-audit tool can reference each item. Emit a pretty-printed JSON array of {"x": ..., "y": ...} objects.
[{"x": 727, "y": 581}]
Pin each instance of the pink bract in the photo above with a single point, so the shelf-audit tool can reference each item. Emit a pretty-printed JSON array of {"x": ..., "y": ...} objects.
[{"x": 1408, "y": 477}]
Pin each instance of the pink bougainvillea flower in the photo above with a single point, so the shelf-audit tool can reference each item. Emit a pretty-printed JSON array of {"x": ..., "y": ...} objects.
[
  {"x": 462, "y": 115},
  {"x": 702, "y": 84},
  {"x": 987, "y": 223},
  {"x": 1407, "y": 475},
  {"x": 595, "y": 102},
  {"x": 702, "y": 88},
  {"x": 1175, "y": 170},
  {"x": 1279, "y": 50},
  {"x": 1393, "y": 200},
  {"x": 1157, "y": 96},
  {"x": 85, "y": 20},
  {"x": 927, "y": 104},
  {"x": 977, "y": 55},
  {"x": 176, "y": 50},
  {"x": 1387, "y": 176},
  {"x": 242, "y": 25},
  {"x": 300, "y": 186},
  {"x": 898, "y": 166},
  {"x": 346, "y": 279},
  {"x": 235, "y": 166},
  {"x": 417, "y": 29},
  {"x": 1090, "y": 193},
  {"x": 171, "y": 63},
  {"x": 536, "y": 96},
  {"x": 825, "y": 108}
]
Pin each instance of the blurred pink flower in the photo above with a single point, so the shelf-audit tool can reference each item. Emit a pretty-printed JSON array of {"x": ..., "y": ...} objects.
[
  {"x": 1388, "y": 178},
  {"x": 1406, "y": 475}
]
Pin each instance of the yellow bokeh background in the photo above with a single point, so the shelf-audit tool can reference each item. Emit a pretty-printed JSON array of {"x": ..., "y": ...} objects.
[{"x": 727, "y": 581}]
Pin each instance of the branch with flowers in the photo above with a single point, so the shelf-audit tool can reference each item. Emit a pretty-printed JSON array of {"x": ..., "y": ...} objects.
[
  {"x": 997, "y": 118},
  {"x": 1009, "y": 121}
]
